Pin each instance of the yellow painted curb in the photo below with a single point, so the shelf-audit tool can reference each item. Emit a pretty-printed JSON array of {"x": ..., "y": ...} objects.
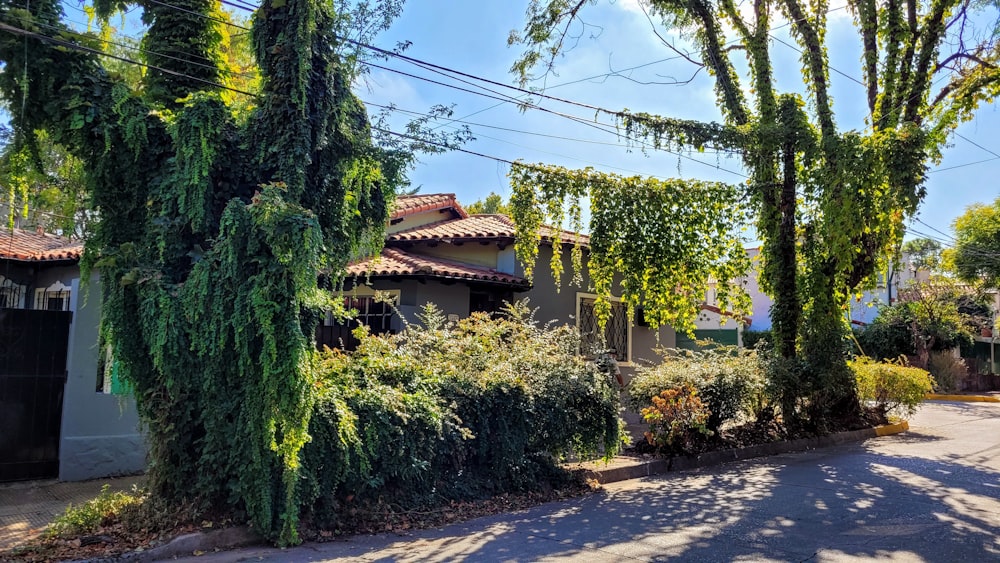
[
  {"x": 891, "y": 429},
  {"x": 967, "y": 398}
]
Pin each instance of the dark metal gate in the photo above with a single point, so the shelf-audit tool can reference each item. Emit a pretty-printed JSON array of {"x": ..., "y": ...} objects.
[{"x": 33, "y": 347}]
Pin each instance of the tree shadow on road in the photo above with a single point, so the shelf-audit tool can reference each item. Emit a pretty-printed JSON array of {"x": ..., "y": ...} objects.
[{"x": 792, "y": 507}]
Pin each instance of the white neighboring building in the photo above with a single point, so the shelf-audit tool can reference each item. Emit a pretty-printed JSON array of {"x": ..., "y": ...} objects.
[{"x": 863, "y": 309}]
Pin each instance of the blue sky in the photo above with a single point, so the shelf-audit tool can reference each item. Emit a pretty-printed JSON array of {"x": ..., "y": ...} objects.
[{"x": 471, "y": 37}]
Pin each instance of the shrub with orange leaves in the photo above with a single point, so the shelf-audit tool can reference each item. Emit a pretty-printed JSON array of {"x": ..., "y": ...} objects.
[{"x": 677, "y": 419}]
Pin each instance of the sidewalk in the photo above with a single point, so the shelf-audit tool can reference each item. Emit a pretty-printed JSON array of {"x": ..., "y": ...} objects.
[{"x": 27, "y": 508}]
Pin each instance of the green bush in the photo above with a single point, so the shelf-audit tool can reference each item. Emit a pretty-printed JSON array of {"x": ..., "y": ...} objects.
[
  {"x": 677, "y": 418},
  {"x": 894, "y": 388},
  {"x": 86, "y": 518},
  {"x": 453, "y": 411},
  {"x": 946, "y": 369},
  {"x": 729, "y": 381},
  {"x": 752, "y": 337},
  {"x": 887, "y": 337}
]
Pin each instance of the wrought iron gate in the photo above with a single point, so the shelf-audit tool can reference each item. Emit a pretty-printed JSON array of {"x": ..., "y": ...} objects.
[{"x": 33, "y": 347}]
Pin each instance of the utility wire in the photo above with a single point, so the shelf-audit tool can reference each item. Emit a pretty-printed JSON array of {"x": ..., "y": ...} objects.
[
  {"x": 497, "y": 127},
  {"x": 71, "y": 45},
  {"x": 139, "y": 49},
  {"x": 83, "y": 48}
]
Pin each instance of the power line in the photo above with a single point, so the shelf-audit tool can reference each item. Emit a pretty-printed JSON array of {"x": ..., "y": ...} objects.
[
  {"x": 919, "y": 220},
  {"x": 140, "y": 49},
  {"x": 962, "y": 165},
  {"x": 71, "y": 45},
  {"x": 499, "y": 128},
  {"x": 76, "y": 46}
]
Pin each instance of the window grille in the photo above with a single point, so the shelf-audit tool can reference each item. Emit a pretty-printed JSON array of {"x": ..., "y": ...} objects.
[
  {"x": 51, "y": 300},
  {"x": 615, "y": 338},
  {"x": 11, "y": 294},
  {"x": 372, "y": 312}
]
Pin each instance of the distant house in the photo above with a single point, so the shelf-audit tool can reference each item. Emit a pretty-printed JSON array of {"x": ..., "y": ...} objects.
[
  {"x": 863, "y": 309},
  {"x": 56, "y": 412},
  {"x": 437, "y": 253}
]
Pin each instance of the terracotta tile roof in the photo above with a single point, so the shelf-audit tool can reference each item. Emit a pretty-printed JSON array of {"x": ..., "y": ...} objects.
[
  {"x": 413, "y": 204},
  {"x": 395, "y": 262},
  {"x": 30, "y": 246},
  {"x": 476, "y": 227}
]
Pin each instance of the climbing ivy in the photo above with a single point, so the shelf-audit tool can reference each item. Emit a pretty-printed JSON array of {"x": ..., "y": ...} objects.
[
  {"x": 829, "y": 204},
  {"x": 215, "y": 217},
  {"x": 663, "y": 241}
]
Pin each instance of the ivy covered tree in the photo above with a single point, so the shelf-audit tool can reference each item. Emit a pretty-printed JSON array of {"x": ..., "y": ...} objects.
[
  {"x": 212, "y": 228},
  {"x": 828, "y": 203}
]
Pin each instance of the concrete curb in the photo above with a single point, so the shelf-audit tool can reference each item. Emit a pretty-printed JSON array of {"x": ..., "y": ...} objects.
[
  {"x": 965, "y": 398},
  {"x": 187, "y": 545},
  {"x": 641, "y": 468}
]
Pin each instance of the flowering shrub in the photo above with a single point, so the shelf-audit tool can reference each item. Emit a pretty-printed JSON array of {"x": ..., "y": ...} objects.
[
  {"x": 730, "y": 382},
  {"x": 676, "y": 419}
]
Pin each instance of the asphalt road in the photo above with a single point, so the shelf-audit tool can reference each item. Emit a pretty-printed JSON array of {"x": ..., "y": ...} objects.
[{"x": 931, "y": 494}]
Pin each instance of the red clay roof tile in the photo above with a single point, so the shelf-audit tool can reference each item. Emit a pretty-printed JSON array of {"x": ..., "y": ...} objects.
[
  {"x": 413, "y": 204},
  {"x": 29, "y": 246},
  {"x": 395, "y": 262},
  {"x": 476, "y": 227}
]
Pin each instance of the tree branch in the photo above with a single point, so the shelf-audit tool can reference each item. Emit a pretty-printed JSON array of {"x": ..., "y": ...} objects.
[{"x": 816, "y": 65}]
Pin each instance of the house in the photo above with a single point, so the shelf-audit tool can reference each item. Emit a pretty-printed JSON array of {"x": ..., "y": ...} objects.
[
  {"x": 58, "y": 416},
  {"x": 863, "y": 308},
  {"x": 437, "y": 253}
]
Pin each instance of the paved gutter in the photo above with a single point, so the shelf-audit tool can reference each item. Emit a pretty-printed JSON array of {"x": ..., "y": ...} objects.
[{"x": 624, "y": 468}]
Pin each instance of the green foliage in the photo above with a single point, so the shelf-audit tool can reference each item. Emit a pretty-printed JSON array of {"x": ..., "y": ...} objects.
[
  {"x": 889, "y": 336},
  {"x": 453, "y": 410},
  {"x": 751, "y": 338},
  {"x": 729, "y": 382},
  {"x": 947, "y": 370},
  {"x": 934, "y": 312},
  {"x": 976, "y": 257},
  {"x": 894, "y": 388},
  {"x": 45, "y": 185},
  {"x": 88, "y": 517},
  {"x": 923, "y": 253},
  {"x": 493, "y": 204},
  {"x": 212, "y": 229},
  {"x": 677, "y": 419},
  {"x": 829, "y": 204},
  {"x": 664, "y": 239}
]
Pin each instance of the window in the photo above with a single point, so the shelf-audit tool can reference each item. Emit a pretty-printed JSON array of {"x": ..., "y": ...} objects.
[
  {"x": 616, "y": 338},
  {"x": 53, "y": 298},
  {"x": 492, "y": 302},
  {"x": 374, "y": 311},
  {"x": 11, "y": 294}
]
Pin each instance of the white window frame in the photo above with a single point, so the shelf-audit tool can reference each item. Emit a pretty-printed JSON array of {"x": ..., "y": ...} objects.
[
  {"x": 56, "y": 290},
  {"x": 580, "y": 296}
]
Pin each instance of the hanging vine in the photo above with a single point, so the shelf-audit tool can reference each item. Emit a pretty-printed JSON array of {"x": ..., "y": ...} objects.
[
  {"x": 829, "y": 204},
  {"x": 663, "y": 241},
  {"x": 212, "y": 229}
]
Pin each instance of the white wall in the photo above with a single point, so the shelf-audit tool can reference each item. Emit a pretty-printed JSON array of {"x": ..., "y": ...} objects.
[{"x": 100, "y": 432}]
